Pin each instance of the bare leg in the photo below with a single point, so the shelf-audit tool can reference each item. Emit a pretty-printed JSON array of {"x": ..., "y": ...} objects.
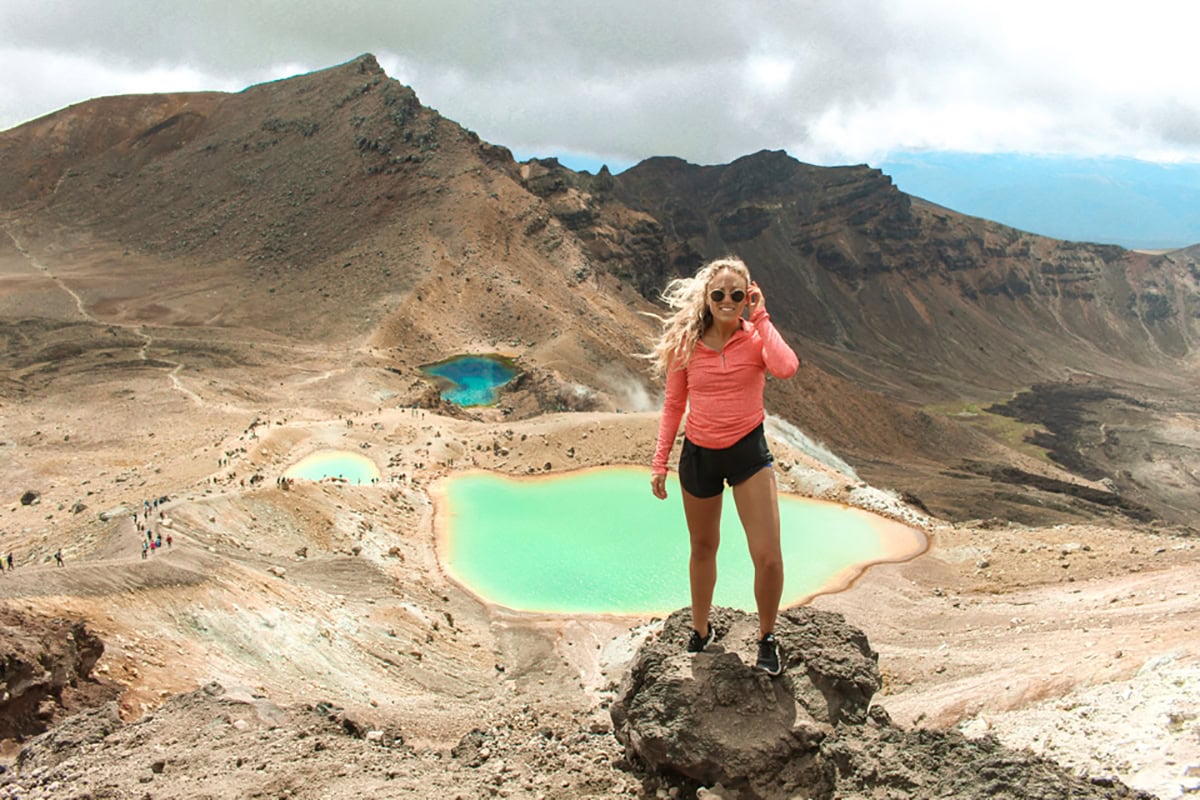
[
  {"x": 758, "y": 508},
  {"x": 704, "y": 527}
]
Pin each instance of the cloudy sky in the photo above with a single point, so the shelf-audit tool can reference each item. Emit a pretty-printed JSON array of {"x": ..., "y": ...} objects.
[{"x": 830, "y": 81}]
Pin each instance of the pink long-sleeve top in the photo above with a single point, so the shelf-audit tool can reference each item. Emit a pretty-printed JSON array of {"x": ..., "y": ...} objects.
[{"x": 723, "y": 390}]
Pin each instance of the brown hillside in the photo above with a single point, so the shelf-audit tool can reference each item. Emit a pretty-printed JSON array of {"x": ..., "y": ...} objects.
[{"x": 334, "y": 207}]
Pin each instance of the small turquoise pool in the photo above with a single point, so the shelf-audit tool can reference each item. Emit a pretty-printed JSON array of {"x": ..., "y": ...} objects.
[
  {"x": 471, "y": 380},
  {"x": 597, "y": 541},
  {"x": 334, "y": 464}
]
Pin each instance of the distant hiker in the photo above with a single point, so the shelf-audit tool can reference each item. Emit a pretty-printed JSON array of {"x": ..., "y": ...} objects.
[
  {"x": 10, "y": 564},
  {"x": 169, "y": 540},
  {"x": 58, "y": 557},
  {"x": 715, "y": 362},
  {"x": 158, "y": 541},
  {"x": 145, "y": 547}
]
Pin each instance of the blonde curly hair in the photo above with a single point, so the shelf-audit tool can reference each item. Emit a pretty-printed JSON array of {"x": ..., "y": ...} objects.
[{"x": 689, "y": 298}]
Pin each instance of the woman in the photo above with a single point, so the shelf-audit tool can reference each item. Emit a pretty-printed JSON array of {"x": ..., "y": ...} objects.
[{"x": 716, "y": 364}]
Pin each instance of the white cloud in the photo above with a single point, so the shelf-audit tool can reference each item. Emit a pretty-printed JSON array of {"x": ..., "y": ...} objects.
[{"x": 704, "y": 80}]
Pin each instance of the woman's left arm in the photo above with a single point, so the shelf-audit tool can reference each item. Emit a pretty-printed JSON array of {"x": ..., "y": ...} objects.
[{"x": 780, "y": 359}]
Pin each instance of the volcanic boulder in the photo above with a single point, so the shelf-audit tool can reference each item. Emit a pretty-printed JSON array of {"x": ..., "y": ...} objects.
[{"x": 714, "y": 720}]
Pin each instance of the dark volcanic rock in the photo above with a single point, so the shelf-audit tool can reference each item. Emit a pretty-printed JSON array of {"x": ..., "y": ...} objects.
[
  {"x": 41, "y": 662},
  {"x": 882, "y": 761},
  {"x": 712, "y": 718}
]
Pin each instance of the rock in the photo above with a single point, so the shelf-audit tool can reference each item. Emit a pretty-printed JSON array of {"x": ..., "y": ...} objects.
[
  {"x": 40, "y": 659},
  {"x": 85, "y": 730},
  {"x": 87, "y": 648},
  {"x": 114, "y": 513},
  {"x": 31, "y": 498},
  {"x": 714, "y": 720},
  {"x": 473, "y": 748},
  {"x": 353, "y": 727}
]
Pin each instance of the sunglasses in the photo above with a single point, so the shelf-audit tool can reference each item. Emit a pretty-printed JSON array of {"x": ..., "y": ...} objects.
[{"x": 737, "y": 295}]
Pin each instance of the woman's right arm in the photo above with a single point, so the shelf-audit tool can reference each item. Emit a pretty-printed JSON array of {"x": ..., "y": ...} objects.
[{"x": 668, "y": 426}]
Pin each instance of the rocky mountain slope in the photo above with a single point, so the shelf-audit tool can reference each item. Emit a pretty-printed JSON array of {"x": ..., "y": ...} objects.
[{"x": 331, "y": 206}]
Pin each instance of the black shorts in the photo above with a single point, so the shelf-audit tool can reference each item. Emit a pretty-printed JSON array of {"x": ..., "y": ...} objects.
[{"x": 704, "y": 471}]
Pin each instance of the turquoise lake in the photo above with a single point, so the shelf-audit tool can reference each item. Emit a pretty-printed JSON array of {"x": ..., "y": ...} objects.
[
  {"x": 339, "y": 464},
  {"x": 597, "y": 541},
  {"x": 471, "y": 380}
]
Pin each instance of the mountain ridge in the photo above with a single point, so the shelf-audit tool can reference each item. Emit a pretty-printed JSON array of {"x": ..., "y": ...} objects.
[{"x": 329, "y": 205}]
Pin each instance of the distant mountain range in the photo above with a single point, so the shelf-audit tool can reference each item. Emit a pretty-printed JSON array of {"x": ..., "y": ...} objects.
[{"x": 1135, "y": 204}]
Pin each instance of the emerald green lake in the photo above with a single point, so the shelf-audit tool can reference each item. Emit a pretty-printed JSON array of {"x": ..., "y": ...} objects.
[
  {"x": 338, "y": 464},
  {"x": 597, "y": 541}
]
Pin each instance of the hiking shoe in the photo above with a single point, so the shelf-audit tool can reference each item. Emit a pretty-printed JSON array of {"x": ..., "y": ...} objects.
[
  {"x": 770, "y": 658},
  {"x": 697, "y": 642}
]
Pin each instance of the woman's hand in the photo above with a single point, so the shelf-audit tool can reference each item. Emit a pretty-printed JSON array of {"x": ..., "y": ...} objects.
[
  {"x": 754, "y": 298},
  {"x": 658, "y": 485}
]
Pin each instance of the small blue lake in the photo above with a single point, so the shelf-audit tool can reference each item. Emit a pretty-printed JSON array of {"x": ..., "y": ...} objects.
[{"x": 471, "y": 380}]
